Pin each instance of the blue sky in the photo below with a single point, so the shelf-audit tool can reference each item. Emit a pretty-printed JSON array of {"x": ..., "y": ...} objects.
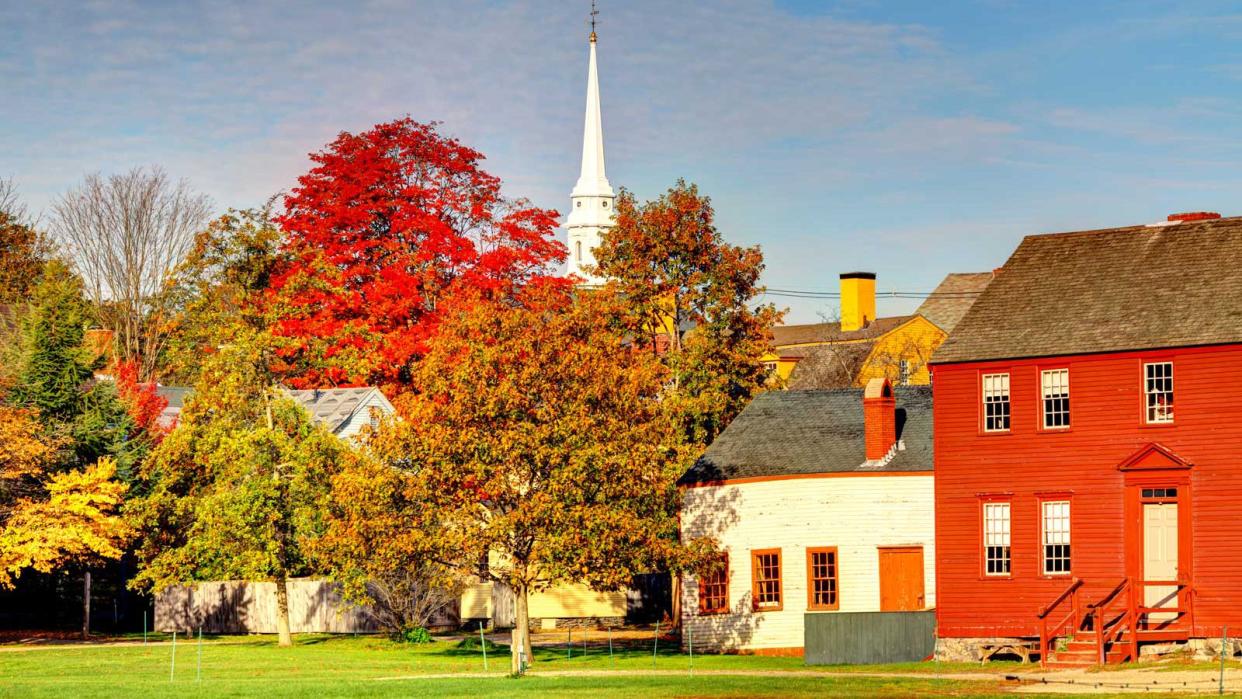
[{"x": 907, "y": 138}]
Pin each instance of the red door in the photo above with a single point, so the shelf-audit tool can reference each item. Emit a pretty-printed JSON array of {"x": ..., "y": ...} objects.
[{"x": 901, "y": 579}]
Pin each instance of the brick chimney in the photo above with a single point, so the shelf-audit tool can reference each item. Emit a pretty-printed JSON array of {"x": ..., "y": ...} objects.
[
  {"x": 1194, "y": 216},
  {"x": 879, "y": 418},
  {"x": 857, "y": 300}
]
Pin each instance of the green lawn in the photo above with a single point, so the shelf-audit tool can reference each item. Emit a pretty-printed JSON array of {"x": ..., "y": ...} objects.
[{"x": 323, "y": 666}]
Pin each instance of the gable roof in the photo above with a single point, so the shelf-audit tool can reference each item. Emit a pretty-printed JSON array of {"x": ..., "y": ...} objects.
[
  {"x": 785, "y": 433},
  {"x": 785, "y": 335},
  {"x": 1119, "y": 289},
  {"x": 955, "y": 294},
  {"x": 830, "y": 366},
  {"x": 334, "y": 406},
  {"x": 331, "y": 406}
]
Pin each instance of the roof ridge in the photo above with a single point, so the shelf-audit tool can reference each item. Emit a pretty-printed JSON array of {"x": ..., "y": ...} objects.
[{"x": 1158, "y": 226}]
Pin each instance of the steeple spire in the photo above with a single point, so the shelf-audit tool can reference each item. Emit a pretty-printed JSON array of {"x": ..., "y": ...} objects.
[{"x": 592, "y": 196}]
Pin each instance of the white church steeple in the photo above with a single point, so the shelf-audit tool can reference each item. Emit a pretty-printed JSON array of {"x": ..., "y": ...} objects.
[{"x": 591, "y": 201}]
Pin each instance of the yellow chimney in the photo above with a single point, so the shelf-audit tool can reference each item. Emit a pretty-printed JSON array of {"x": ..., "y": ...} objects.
[{"x": 857, "y": 300}]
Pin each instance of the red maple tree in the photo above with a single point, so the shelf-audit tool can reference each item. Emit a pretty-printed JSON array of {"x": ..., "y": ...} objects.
[
  {"x": 141, "y": 400},
  {"x": 386, "y": 226}
]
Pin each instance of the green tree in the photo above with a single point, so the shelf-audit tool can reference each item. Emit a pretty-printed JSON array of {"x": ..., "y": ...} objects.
[
  {"x": 55, "y": 377},
  {"x": 217, "y": 289},
  {"x": 537, "y": 437},
  {"x": 238, "y": 490}
]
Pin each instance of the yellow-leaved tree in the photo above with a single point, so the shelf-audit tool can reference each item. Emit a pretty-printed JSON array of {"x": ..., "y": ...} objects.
[{"x": 50, "y": 519}]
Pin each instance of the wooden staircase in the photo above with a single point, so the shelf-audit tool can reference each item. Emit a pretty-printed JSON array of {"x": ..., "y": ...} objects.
[{"x": 1108, "y": 631}]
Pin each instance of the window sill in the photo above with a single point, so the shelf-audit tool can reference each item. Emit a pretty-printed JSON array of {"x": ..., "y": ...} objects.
[
  {"x": 1157, "y": 425},
  {"x": 995, "y": 433}
]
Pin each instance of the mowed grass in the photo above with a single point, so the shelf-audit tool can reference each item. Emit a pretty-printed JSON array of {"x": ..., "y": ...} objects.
[{"x": 322, "y": 666}]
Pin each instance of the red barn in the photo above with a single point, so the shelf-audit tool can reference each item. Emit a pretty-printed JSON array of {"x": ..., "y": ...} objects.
[{"x": 1088, "y": 446}]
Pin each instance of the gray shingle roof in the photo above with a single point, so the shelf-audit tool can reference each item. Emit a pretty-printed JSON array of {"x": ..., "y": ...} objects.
[
  {"x": 830, "y": 366},
  {"x": 1110, "y": 290},
  {"x": 955, "y": 294},
  {"x": 783, "y": 335},
  {"x": 331, "y": 406},
  {"x": 806, "y": 432}
]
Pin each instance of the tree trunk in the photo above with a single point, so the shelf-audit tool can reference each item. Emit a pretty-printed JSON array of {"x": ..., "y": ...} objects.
[
  {"x": 86, "y": 606},
  {"x": 282, "y": 612},
  {"x": 675, "y": 602},
  {"x": 519, "y": 647}
]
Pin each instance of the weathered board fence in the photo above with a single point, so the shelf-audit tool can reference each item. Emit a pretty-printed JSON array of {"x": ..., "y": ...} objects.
[
  {"x": 315, "y": 606},
  {"x": 853, "y": 638}
]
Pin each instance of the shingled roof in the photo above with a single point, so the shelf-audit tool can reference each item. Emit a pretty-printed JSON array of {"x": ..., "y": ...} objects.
[
  {"x": 332, "y": 406},
  {"x": 830, "y": 366},
  {"x": 956, "y": 293},
  {"x": 785, "y": 433},
  {"x": 785, "y": 335},
  {"x": 1113, "y": 290}
]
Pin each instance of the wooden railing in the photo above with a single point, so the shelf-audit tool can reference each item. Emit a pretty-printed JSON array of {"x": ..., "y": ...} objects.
[
  {"x": 1181, "y": 613},
  {"x": 1050, "y": 630},
  {"x": 1109, "y": 622}
]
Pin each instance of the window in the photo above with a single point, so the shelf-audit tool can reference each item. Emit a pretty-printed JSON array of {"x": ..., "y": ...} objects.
[
  {"x": 904, "y": 369},
  {"x": 996, "y": 538},
  {"x": 1056, "y": 398},
  {"x": 1159, "y": 390},
  {"x": 714, "y": 589},
  {"x": 766, "y": 579},
  {"x": 1159, "y": 493},
  {"x": 821, "y": 573},
  {"x": 578, "y": 250},
  {"x": 374, "y": 418},
  {"x": 1056, "y": 536},
  {"x": 995, "y": 402}
]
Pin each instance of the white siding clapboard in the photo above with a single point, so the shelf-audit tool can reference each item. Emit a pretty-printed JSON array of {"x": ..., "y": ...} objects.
[
  {"x": 856, "y": 514},
  {"x": 361, "y": 417}
]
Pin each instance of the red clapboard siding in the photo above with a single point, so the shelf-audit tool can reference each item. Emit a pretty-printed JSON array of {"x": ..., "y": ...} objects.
[{"x": 1106, "y": 412}]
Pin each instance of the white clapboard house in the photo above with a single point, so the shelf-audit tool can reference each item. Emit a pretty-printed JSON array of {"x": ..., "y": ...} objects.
[{"x": 821, "y": 502}]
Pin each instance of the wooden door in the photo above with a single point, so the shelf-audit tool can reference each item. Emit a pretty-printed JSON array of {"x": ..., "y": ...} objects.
[
  {"x": 901, "y": 579},
  {"x": 1160, "y": 556}
]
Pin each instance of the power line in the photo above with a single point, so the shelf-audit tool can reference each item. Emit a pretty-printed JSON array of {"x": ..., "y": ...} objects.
[{"x": 809, "y": 294}]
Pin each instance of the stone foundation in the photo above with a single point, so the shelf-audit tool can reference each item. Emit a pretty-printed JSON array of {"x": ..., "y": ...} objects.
[
  {"x": 969, "y": 650},
  {"x": 581, "y": 622},
  {"x": 1209, "y": 648}
]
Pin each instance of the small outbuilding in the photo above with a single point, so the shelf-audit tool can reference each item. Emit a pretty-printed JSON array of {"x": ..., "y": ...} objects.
[{"x": 821, "y": 503}]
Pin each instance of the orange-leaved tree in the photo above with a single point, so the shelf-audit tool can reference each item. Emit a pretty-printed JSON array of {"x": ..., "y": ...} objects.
[
  {"x": 691, "y": 297},
  {"x": 538, "y": 440}
]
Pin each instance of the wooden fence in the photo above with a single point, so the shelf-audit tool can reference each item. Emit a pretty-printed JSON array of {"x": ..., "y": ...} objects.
[
  {"x": 837, "y": 638},
  {"x": 315, "y": 606}
]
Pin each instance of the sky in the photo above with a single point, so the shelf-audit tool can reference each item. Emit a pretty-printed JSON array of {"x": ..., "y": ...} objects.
[{"x": 909, "y": 139}]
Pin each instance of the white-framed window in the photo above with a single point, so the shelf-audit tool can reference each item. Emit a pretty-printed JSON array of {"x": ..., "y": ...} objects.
[
  {"x": 1158, "y": 389},
  {"x": 1055, "y": 534},
  {"x": 577, "y": 249},
  {"x": 995, "y": 402},
  {"x": 1056, "y": 398},
  {"x": 905, "y": 371},
  {"x": 996, "y": 538}
]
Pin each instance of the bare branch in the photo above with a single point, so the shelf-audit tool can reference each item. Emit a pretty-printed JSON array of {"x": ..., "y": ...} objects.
[{"x": 125, "y": 235}]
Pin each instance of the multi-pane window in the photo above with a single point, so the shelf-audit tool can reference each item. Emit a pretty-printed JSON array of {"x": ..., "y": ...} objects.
[
  {"x": 996, "y": 538},
  {"x": 905, "y": 371},
  {"x": 714, "y": 588},
  {"x": 821, "y": 565},
  {"x": 766, "y": 578},
  {"x": 1158, "y": 387},
  {"x": 995, "y": 402},
  {"x": 1056, "y": 536},
  {"x": 1056, "y": 395}
]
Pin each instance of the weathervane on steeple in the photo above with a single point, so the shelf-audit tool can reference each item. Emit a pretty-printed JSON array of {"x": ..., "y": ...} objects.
[{"x": 594, "y": 14}]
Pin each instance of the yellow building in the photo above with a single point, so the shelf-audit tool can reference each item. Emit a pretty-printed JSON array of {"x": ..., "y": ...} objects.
[
  {"x": 862, "y": 346},
  {"x": 492, "y": 604}
]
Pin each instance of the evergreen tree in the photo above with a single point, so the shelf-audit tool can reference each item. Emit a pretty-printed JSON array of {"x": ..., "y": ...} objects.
[{"x": 55, "y": 377}]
